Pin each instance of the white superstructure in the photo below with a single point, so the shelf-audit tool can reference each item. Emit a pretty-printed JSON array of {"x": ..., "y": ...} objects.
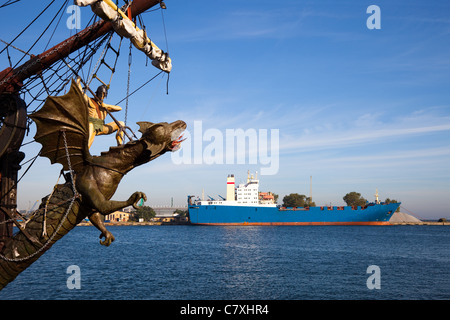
[{"x": 245, "y": 194}]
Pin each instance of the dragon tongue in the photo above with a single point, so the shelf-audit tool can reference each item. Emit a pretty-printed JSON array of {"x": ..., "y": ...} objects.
[{"x": 176, "y": 143}]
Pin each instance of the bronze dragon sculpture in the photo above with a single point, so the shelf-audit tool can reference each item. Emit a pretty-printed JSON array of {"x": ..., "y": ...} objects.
[{"x": 91, "y": 181}]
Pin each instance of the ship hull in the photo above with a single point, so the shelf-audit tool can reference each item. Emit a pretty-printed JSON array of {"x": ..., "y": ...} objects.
[{"x": 375, "y": 214}]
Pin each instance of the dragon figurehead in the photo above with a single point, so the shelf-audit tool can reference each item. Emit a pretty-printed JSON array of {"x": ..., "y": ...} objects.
[{"x": 62, "y": 129}]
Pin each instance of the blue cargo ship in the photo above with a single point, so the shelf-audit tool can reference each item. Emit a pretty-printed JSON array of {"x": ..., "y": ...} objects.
[{"x": 245, "y": 205}]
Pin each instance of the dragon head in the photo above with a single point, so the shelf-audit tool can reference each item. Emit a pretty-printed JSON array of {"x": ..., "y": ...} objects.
[{"x": 163, "y": 136}]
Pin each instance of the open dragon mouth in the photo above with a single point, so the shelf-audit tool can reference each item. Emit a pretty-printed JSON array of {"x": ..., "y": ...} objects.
[
  {"x": 177, "y": 136},
  {"x": 176, "y": 144}
]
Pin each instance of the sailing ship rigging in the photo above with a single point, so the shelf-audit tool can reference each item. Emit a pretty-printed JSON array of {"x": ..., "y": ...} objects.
[{"x": 91, "y": 56}]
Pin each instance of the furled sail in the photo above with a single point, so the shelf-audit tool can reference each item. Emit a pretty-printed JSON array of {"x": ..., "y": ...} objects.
[{"x": 124, "y": 26}]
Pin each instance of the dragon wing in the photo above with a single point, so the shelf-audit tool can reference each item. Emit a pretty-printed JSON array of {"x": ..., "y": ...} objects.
[{"x": 64, "y": 114}]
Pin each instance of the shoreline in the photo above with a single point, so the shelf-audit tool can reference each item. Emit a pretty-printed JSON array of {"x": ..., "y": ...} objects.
[
  {"x": 423, "y": 223},
  {"x": 84, "y": 224}
]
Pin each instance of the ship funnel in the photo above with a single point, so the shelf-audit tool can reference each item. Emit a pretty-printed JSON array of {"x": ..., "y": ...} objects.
[{"x": 230, "y": 188}]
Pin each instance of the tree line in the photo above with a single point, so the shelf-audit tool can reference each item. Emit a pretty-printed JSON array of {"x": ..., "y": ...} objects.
[
  {"x": 351, "y": 199},
  {"x": 147, "y": 213},
  {"x": 297, "y": 200}
]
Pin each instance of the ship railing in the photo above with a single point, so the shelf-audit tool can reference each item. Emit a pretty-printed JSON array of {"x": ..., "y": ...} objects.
[{"x": 293, "y": 208}]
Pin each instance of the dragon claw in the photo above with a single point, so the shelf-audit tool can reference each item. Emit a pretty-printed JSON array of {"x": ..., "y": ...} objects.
[
  {"x": 135, "y": 197},
  {"x": 109, "y": 238}
]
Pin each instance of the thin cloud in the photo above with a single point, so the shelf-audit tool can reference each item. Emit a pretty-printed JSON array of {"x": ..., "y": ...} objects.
[
  {"x": 247, "y": 24},
  {"x": 355, "y": 137},
  {"x": 398, "y": 157}
]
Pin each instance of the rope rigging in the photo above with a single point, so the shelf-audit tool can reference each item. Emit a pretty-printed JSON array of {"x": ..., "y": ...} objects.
[
  {"x": 101, "y": 62},
  {"x": 139, "y": 88},
  {"x": 62, "y": 78},
  {"x": 34, "y": 20},
  {"x": 29, "y": 25},
  {"x": 8, "y": 2},
  {"x": 51, "y": 84},
  {"x": 54, "y": 79},
  {"x": 130, "y": 59},
  {"x": 43, "y": 78}
]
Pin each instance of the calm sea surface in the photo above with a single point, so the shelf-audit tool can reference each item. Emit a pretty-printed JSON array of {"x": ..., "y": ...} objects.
[{"x": 270, "y": 263}]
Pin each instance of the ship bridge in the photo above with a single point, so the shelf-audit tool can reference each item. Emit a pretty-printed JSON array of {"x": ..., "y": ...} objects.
[{"x": 245, "y": 194}]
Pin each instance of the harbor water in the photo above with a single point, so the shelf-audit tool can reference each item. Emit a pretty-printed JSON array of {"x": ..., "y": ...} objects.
[{"x": 268, "y": 263}]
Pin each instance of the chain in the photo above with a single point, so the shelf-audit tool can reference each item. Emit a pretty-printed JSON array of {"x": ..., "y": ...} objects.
[
  {"x": 68, "y": 163},
  {"x": 44, "y": 222},
  {"x": 75, "y": 196}
]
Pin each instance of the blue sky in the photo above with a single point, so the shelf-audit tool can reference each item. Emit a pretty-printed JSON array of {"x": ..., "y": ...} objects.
[{"x": 356, "y": 109}]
